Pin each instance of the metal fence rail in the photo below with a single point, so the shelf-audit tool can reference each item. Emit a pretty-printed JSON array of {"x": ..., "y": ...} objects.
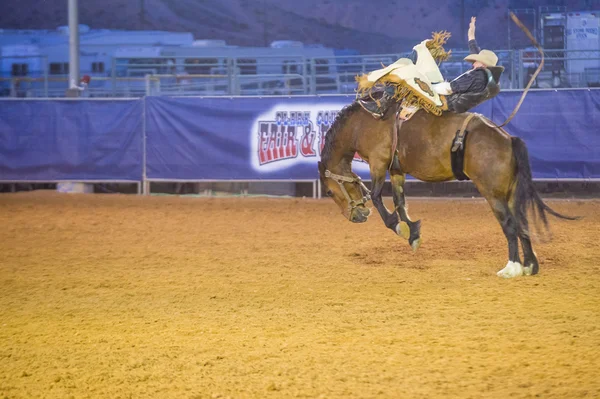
[{"x": 270, "y": 75}]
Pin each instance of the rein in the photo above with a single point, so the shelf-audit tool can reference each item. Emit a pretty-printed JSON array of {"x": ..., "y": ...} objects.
[
  {"x": 340, "y": 180},
  {"x": 535, "y": 43}
]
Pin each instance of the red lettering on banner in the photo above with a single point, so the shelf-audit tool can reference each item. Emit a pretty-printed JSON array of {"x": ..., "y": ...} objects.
[
  {"x": 291, "y": 144},
  {"x": 307, "y": 142},
  {"x": 286, "y": 136},
  {"x": 263, "y": 143},
  {"x": 274, "y": 146},
  {"x": 276, "y": 142}
]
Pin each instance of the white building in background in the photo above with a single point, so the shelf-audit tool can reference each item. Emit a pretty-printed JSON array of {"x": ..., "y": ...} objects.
[
  {"x": 122, "y": 54},
  {"x": 582, "y": 34},
  {"x": 22, "y": 51}
]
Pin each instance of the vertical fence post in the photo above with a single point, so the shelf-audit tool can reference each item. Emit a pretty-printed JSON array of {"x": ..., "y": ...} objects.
[
  {"x": 513, "y": 70},
  {"x": 144, "y": 149},
  {"x": 235, "y": 79},
  {"x": 113, "y": 74},
  {"x": 229, "y": 63},
  {"x": 148, "y": 86},
  {"x": 158, "y": 86},
  {"x": 45, "y": 76},
  {"x": 319, "y": 189},
  {"x": 305, "y": 85},
  {"x": 313, "y": 78},
  {"x": 13, "y": 87},
  {"x": 521, "y": 69}
]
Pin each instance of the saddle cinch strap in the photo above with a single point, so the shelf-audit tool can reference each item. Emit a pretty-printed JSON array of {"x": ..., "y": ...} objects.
[
  {"x": 457, "y": 151},
  {"x": 459, "y": 140}
]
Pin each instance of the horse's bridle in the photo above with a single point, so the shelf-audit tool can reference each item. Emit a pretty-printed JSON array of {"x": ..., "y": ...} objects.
[{"x": 340, "y": 180}]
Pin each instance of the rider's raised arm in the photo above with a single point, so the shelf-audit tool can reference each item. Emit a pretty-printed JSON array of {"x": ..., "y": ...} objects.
[{"x": 473, "y": 47}]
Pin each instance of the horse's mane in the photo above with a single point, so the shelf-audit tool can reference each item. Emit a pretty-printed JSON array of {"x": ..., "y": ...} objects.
[{"x": 336, "y": 126}]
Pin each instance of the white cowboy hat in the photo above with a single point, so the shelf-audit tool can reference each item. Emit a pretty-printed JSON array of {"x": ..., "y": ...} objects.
[{"x": 486, "y": 57}]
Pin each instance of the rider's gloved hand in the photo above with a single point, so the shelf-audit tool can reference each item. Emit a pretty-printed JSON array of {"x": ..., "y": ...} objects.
[{"x": 443, "y": 88}]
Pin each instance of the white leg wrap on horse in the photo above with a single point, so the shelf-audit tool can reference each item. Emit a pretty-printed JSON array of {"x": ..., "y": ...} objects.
[{"x": 512, "y": 269}]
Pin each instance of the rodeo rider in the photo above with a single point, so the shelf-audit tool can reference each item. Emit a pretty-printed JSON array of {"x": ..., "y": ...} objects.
[{"x": 476, "y": 85}]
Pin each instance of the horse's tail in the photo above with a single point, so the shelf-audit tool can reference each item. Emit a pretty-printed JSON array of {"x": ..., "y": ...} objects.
[{"x": 526, "y": 194}]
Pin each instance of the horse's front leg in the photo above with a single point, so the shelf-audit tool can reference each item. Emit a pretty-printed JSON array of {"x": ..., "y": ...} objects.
[
  {"x": 408, "y": 229},
  {"x": 391, "y": 220}
]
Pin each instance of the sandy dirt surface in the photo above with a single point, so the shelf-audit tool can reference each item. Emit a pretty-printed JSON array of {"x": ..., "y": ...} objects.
[{"x": 115, "y": 296}]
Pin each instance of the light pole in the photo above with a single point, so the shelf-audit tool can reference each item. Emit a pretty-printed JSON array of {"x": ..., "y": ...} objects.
[
  {"x": 142, "y": 14},
  {"x": 73, "y": 43}
]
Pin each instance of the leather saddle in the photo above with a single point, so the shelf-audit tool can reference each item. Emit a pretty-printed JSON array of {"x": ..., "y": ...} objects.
[{"x": 379, "y": 101}]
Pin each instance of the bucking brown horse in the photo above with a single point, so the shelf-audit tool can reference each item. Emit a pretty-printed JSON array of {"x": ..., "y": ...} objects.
[{"x": 497, "y": 163}]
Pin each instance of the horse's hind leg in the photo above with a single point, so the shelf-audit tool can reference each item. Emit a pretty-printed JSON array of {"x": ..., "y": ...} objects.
[
  {"x": 407, "y": 228},
  {"x": 530, "y": 261},
  {"x": 510, "y": 227}
]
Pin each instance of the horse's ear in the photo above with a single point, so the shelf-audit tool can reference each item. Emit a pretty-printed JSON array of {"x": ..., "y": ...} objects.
[{"x": 321, "y": 168}]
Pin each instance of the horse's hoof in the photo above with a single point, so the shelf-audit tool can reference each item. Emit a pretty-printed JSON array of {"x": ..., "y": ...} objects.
[
  {"x": 512, "y": 269},
  {"x": 403, "y": 230},
  {"x": 415, "y": 244},
  {"x": 531, "y": 269},
  {"x": 527, "y": 271}
]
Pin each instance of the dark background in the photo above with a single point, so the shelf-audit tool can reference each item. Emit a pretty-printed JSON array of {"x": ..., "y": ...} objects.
[{"x": 370, "y": 26}]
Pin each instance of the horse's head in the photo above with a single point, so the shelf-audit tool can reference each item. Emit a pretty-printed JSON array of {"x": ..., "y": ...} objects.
[{"x": 348, "y": 192}]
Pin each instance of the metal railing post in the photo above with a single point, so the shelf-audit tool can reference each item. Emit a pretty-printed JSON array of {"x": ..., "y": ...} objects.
[
  {"x": 305, "y": 84},
  {"x": 13, "y": 87},
  {"x": 235, "y": 78},
  {"x": 521, "y": 69},
  {"x": 313, "y": 77},
  {"x": 513, "y": 72},
  {"x": 144, "y": 182},
  {"x": 113, "y": 73},
  {"x": 45, "y": 76},
  {"x": 230, "y": 72},
  {"x": 148, "y": 88},
  {"x": 319, "y": 190}
]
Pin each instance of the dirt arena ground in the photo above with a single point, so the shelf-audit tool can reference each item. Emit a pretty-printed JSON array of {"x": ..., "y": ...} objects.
[{"x": 116, "y": 296}]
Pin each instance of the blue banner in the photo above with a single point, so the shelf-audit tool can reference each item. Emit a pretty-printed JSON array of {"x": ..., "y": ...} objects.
[
  {"x": 281, "y": 138},
  {"x": 239, "y": 138},
  {"x": 561, "y": 129},
  {"x": 252, "y": 138},
  {"x": 71, "y": 140}
]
